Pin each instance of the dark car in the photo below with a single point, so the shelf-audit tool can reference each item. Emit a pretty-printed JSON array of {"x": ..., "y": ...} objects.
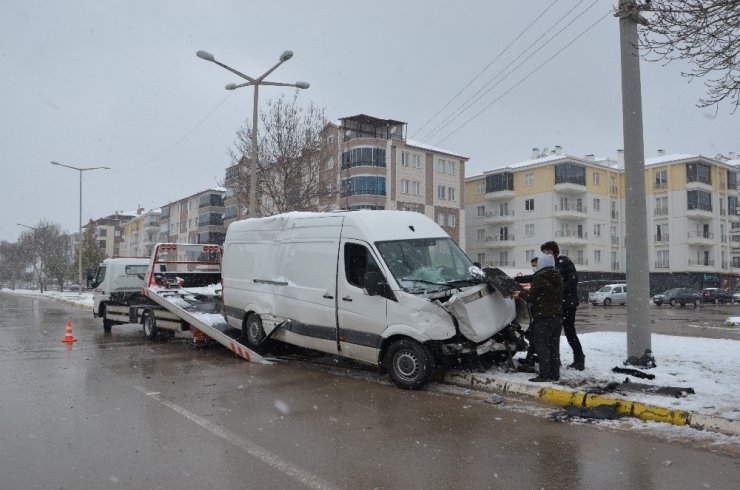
[
  {"x": 717, "y": 295},
  {"x": 679, "y": 296}
]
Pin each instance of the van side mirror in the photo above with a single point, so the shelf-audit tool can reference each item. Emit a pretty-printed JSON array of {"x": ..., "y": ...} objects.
[{"x": 372, "y": 283}]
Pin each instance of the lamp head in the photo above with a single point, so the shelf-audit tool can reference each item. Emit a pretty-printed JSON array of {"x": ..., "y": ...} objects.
[
  {"x": 205, "y": 55},
  {"x": 303, "y": 85},
  {"x": 230, "y": 86},
  {"x": 286, "y": 55}
]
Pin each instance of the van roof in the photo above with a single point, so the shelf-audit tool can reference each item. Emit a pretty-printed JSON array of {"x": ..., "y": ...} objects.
[{"x": 373, "y": 224}]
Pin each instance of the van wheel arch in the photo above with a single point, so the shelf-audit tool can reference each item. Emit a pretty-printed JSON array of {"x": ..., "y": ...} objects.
[
  {"x": 253, "y": 332},
  {"x": 409, "y": 363}
]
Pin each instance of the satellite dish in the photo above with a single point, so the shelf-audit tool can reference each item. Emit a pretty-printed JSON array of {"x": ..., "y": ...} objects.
[
  {"x": 347, "y": 132},
  {"x": 544, "y": 151},
  {"x": 394, "y": 129}
]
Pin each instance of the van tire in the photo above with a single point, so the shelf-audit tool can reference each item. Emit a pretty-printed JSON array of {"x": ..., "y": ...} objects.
[
  {"x": 149, "y": 324},
  {"x": 107, "y": 324},
  {"x": 409, "y": 364},
  {"x": 607, "y": 302},
  {"x": 253, "y": 333}
]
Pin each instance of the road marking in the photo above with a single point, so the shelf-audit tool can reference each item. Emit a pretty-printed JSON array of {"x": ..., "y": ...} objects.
[{"x": 299, "y": 474}]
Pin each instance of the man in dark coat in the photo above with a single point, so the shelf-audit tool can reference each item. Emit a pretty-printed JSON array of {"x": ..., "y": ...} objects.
[
  {"x": 546, "y": 298},
  {"x": 570, "y": 301}
]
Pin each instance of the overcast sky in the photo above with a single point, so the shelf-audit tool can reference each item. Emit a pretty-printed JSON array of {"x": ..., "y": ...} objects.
[{"x": 91, "y": 83}]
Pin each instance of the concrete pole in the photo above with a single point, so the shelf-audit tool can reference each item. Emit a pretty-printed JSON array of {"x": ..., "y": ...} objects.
[
  {"x": 637, "y": 265},
  {"x": 79, "y": 244},
  {"x": 253, "y": 212}
]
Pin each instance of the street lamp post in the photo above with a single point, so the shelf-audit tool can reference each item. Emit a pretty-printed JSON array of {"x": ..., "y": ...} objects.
[
  {"x": 79, "y": 236},
  {"x": 255, "y": 82}
]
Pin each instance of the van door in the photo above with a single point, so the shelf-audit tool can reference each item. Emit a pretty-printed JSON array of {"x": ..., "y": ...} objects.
[{"x": 362, "y": 318}]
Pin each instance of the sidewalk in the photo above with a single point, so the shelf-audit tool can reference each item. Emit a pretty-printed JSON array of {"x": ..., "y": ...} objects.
[{"x": 710, "y": 367}]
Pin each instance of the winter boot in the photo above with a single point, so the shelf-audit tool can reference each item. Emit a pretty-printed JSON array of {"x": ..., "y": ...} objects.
[{"x": 578, "y": 364}]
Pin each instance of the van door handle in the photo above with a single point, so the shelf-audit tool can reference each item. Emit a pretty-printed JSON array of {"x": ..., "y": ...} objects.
[
  {"x": 346, "y": 298},
  {"x": 328, "y": 296}
]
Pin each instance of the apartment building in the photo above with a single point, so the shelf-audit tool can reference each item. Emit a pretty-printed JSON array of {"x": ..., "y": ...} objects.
[
  {"x": 198, "y": 218},
  {"x": 109, "y": 232},
  {"x": 372, "y": 165},
  {"x": 141, "y": 233},
  {"x": 693, "y": 226}
]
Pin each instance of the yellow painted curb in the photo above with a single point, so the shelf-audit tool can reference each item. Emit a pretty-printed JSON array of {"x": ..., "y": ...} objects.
[{"x": 624, "y": 407}]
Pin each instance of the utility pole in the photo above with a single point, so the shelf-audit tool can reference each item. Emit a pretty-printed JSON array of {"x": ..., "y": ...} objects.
[{"x": 636, "y": 262}]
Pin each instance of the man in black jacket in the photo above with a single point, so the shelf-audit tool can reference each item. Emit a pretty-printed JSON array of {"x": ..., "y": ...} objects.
[{"x": 570, "y": 301}]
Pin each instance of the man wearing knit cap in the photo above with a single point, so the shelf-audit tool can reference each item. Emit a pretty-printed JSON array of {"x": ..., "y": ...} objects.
[{"x": 546, "y": 298}]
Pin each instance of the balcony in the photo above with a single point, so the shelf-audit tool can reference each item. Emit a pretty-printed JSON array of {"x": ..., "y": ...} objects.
[
  {"x": 661, "y": 212},
  {"x": 499, "y": 216},
  {"x": 499, "y": 241},
  {"x": 570, "y": 186},
  {"x": 615, "y": 241},
  {"x": 571, "y": 237},
  {"x": 700, "y": 212},
  {"x": 571, "y": 211},
  {"x": 580, "y": 261},
  {"x": 694, "y": 238},
  {"x": 502, "y": 263},
  {"x": 613, "y": 190},
  {"x": 614, "y": 215},
  {"x": 699, "y": 184},
  {"x": 661, "y": 239},
  {"x": 662, "y": 265},
  {"x": 735, "y": 242},
  {"x": 660, "y": 186},
  {"x": 615, "y": 266},
  {"x": 500, "y": 194},
  {"x": 701, "y": 264}
]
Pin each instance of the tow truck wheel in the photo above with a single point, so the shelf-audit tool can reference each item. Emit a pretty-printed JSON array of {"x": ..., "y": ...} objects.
[
  {"x": 253, "y": 332},
  {"x": 150, "y": 326},
  {"x": 107, "y": 324},
  {"x": 409, "y": 364}
]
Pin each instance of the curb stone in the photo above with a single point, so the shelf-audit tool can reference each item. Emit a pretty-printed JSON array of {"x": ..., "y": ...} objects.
[{"x": 565, "y": 397}]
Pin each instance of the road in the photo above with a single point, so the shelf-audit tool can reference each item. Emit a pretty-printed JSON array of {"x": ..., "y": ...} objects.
[{"x": 117, "y": 411}]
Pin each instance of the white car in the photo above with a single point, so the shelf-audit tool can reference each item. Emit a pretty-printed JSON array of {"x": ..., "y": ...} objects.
[{"x": 611, "y": 293}]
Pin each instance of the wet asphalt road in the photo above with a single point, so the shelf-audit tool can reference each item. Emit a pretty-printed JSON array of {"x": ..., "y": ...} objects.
[{"x": 116, "y": 411}]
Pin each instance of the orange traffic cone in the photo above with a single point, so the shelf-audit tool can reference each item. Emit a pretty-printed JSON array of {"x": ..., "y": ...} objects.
[{"x": 68, "y": 337}]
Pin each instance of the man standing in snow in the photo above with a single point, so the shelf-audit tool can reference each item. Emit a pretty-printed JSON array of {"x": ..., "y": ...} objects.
[
  {"x": 570, "y": 301},
  {"x": 546, "y": 299}
]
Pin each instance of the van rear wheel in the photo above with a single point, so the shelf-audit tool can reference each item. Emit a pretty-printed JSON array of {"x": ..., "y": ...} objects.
[
  {"x": 409, "y": 364},
  {"x": 607, "y": 302},
  {"x": 253, "y": 332}
]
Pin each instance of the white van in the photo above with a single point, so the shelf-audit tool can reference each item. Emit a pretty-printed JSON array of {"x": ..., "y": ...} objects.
[
  {"x": 611, "y": 293},
  {"x": 388, "y": 288}
]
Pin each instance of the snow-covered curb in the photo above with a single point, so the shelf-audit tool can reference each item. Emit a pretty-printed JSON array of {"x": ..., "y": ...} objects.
[{"x": 564, "y": 396}]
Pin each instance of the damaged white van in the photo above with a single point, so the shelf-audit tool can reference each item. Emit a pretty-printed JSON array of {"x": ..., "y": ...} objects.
[{"x": 388, "y": 288}]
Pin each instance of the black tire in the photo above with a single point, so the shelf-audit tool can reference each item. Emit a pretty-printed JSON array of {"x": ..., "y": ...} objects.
[
  {"x": 253, "y": 333},
  {"x": 149, "y": 324},
  {"x": 607, "y": 302},
  {"x": 410, "y": 365},
  {"x": 697, "y": 303},
  {"x": 673, "y": 302},
  {"x": 107, "y": 324}
]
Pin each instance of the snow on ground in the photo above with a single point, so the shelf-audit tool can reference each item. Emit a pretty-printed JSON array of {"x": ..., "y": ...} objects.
[{"x": 710, "y": 366}]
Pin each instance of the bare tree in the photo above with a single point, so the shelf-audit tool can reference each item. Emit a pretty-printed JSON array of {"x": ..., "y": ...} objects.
[
  {"x": 706, "y": 34},
  {"x": 14, "y": 260},
  {"x": 58, "y": 263},
  {"x": 92, "y": 254},
  {"x": 289, "y": 153}
]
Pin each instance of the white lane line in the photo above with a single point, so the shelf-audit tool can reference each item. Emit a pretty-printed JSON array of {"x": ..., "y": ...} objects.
[{"x": 299, "y": 474}]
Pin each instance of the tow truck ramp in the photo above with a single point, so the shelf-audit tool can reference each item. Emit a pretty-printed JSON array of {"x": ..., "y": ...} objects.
[{"x": 200, "y": 314}]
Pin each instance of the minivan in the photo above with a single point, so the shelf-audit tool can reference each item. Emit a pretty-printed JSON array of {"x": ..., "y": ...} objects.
[{"x": 611, "y": 293}]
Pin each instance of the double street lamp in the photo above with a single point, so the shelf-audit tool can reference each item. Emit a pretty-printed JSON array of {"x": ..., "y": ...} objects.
[
  {"x": 254, "y": 82},
  {"x": 79, "y": 237}
]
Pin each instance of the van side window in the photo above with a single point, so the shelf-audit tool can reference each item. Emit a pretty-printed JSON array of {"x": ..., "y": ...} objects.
[{"x": 357, "y": 261}]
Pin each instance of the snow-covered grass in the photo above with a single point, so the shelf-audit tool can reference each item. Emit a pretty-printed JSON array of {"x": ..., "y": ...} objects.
[{"x": 72, "y": 297}]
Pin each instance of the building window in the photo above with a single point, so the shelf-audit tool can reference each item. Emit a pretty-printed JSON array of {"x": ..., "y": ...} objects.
[
  {"x": 700, "y": 200},
  {"x": 451, "y": 220},
  {"x": 596, "y": 178},
  {"x": 363, "y": 184},
  {"x": 529, "y": 205},
  {"x": 597, "y": 230},
  {"x": 441, "y": 219},
  {"x": 570, "y": 173},
  {"x": 405, "y": 159},
  {"x": 450, "y": 193},
  {"x": 441, "y": 165},
  {"x": 417, "y": 188},
  {"x": 480, "y": 235},
  {"x": 661, "y": 179},
  {"x": 451, "y": 167},
  {"x": 367, "y": 156},
  {"x": 661, "y": 259},
  {"x": 480, "y": 187},
  {"x": 529, "y": 230},
  {"x": 481, "y": 211},
  {"x": 661, "y": 232},
  {"x": 529, "y": 179},
  {"x": 441, "y": 192},
  {"x": 597, "y": 256},
  {"x": 597, "y": 204},
  {"x": 503, "y": 181},
  {"x": 661, "y": 206},
  {"x": 330, "y": 163},
  {"x": 698, "y": 172},
  {"x": 481, "y": 258},
  {"x": 330, "y": 139},
  {"x": 404, "y": 186},
  {"x": 529, "y": 255}
]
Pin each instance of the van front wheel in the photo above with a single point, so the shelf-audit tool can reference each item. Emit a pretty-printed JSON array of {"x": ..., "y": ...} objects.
[
  {"x": 253, "y": 332},
  {"x": 409, "y": 364}
]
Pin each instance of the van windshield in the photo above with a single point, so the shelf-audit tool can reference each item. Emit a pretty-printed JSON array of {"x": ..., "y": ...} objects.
[{"x": 426, "y": 264}]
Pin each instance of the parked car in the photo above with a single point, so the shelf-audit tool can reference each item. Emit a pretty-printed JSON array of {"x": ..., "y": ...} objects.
[
  {"x": 611, "y": 293},
  {"x": 679, "y": 296},
  {"x": 717, "y": 295}
]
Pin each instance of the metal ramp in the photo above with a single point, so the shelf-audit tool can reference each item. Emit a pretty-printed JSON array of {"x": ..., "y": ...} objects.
[{"x": 197, "y": 313}]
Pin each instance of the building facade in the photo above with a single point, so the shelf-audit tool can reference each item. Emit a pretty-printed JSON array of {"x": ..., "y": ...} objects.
[
  {"x": 198, "y": 218},
  {"x": 109, "y": 232},
  {"x": 693, "y": 225},
  {"x": 372, "y": 165},
  {"x": 141, "y": 234}
]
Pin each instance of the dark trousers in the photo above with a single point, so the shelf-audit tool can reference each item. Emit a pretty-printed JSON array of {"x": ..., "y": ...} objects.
[
  {"x": 569, "y": 328},
  {"x": 546, "y": 336}
]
